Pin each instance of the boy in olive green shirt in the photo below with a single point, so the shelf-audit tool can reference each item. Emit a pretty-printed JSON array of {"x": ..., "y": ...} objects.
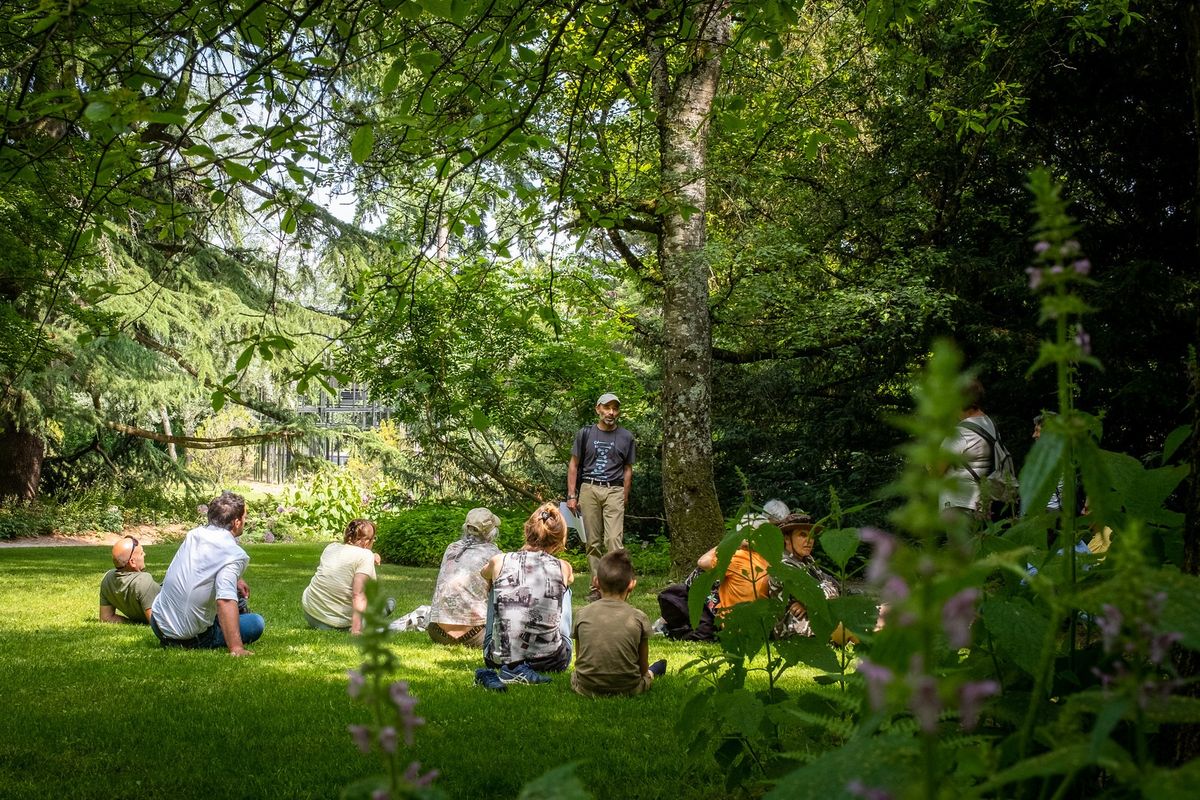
[{"x": 612, "y": 637}]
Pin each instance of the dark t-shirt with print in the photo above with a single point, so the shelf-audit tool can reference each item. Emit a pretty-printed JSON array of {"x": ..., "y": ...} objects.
[{"x": 607, "y": 453}]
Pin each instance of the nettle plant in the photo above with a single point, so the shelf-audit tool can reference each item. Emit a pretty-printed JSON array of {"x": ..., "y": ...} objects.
[
  {"x": 1026, "y": 658},
  {"x": 392, "y": 722}
]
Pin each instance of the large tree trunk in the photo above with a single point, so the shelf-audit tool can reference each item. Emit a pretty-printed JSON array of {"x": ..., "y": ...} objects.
[
  {"x": 1187, "y": 737},
  {"x": 684, "y": 106},
  {"x": 21, "y": 454}
]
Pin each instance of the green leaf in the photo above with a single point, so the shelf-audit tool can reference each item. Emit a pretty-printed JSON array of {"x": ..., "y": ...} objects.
[
  {"x": 1175, "y": 440},
  {"x": 858, "y": 612},
  {"x": 840, "y": 545},
  {"x": 98, "y": 110},
  {"x": 1182, "y": 611},
  {"x": 392, "y": 79},
  {"x": 742, "y": 711},
  {"x": 1043, "y": 470},
  {"x": 218, "y": 400},
  {"x": 244, "y": 359},
  {"x": 560, "y": 783},
  {"x": 363, "y": 143},
  {"x": 238, "y": 171},
  {"x": 167, "y": 118},
  {"x": 288, "y": 223},
  {"x": 1060, "y": 761},
  {"x": 480, "y": 420},
  {"x": 884, "y": 762},
  {"x": 1019, "y": 630},
  {"x": 1172, "y": 784}
]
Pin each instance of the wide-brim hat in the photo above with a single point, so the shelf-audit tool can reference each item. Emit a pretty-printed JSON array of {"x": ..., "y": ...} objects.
[{"x": 799, "y": 523}]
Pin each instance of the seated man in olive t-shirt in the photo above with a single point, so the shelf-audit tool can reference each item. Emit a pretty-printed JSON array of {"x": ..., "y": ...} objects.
[{"x": 127, "y": 588}]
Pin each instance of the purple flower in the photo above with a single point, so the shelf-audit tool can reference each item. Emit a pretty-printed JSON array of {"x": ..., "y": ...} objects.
[
  {"x": 857, "y": 788},
  {"x": 1160, "y": 646},
  {"x": 381, "y": 794},
  {"x": 362, "y": 737},
  {"x": 877, "y": 678},
  {"x": 1035, "y": 277},
  {"x": 357, "y": 681},
  {"x": 403, "y": 701},
  {"x": 1082, "y": 266},
  {"x": 1041, "y": 247},
  {"x": 387, "y": 739},
  {"x": 1156, "y": 603},
  {"x": 957, "y": 615},
  {"x": 1084, "y": 340},
  {"x": 885, "y": 545},
  {"x": 925, "y": 703},
  {"x": 895, "y": 590},
  {"x": 1109, "y": 623},
  {"x": 1057, "y": 269},
  {"x": 415, "y": 778},
  {"x": 970, "y": 698}
]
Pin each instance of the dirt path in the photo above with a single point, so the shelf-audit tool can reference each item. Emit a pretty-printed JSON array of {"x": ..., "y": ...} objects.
[{"x": 146, "y": 534}]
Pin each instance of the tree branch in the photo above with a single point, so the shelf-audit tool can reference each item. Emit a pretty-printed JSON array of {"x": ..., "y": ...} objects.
[
  {"x": 143, "y": 338},
  {"x": 194, "y": 442}
]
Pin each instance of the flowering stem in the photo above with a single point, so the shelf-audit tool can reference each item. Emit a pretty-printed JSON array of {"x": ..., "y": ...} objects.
[
  {"x": 928, "y": 739},
  {"x": 1039, "y": 683},
  {"x": 1067, "y": 503}
]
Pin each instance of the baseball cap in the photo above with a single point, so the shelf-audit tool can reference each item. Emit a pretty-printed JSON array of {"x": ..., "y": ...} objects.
[
  {"x": 608, "y": 397},
  {"x": 482, "y": 521}
]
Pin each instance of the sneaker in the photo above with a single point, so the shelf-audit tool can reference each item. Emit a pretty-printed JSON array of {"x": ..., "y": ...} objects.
[
  {"x": 659, "y": 667},
  {"x": 522, "y": 673},
  {"x": 488, "y": 679},
  {"x": 389, "y": 606},
  {"x": 593, "y": 595}
]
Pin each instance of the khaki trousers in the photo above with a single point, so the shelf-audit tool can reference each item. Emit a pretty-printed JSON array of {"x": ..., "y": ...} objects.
[{"x": 603, "y": 511}]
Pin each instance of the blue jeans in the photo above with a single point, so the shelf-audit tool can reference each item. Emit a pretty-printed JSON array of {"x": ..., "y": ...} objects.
[
  {"x": 557, "y": 662},
  {"x": 250, "y": 625}
]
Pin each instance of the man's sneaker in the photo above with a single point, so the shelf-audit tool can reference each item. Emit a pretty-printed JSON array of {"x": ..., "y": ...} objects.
[
  {"x": 659, "y": 667},
  {"x": 522, "y": 673},
  {"x": 389, "y": 606},
  {"x": 593, "y": 595},
  {"x": 488, "y": 679}
]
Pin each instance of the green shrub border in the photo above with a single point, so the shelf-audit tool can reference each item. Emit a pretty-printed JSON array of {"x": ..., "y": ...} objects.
[{"x": 418, "y": 537}]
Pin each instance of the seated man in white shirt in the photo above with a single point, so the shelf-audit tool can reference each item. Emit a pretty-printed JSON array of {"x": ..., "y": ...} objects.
[{"x": 198, "y": 604}]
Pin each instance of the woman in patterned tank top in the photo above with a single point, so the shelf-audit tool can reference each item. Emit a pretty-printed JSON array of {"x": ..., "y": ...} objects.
[{"x": 529, "y": 615}]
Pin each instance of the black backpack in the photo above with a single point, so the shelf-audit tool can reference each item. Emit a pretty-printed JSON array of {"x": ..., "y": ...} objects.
[{"x": 673, "y": 605}]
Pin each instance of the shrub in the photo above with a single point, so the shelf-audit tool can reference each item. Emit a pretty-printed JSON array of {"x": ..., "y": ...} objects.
[
  {"x": 418, "y": 537},
  {"x": 315, "y": 510},
  {"x": 21, "y": 521}
]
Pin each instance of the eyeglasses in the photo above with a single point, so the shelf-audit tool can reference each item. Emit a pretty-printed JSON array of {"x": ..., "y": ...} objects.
[{"x": 132, "y": 550}]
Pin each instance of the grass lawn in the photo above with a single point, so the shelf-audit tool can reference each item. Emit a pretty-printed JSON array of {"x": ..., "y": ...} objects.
[{"x": 100, "y": 711}]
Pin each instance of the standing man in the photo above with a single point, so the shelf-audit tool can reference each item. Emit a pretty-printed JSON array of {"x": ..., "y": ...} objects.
[
  {"x": 198, "y": 605},
  {"x": 975, "y": 442},
  {"x": 127, "y": 587},
  {"x": 600, "y": 492}
]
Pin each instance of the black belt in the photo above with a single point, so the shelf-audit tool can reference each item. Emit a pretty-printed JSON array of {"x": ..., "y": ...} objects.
[{"x": 605, "y": 484}]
